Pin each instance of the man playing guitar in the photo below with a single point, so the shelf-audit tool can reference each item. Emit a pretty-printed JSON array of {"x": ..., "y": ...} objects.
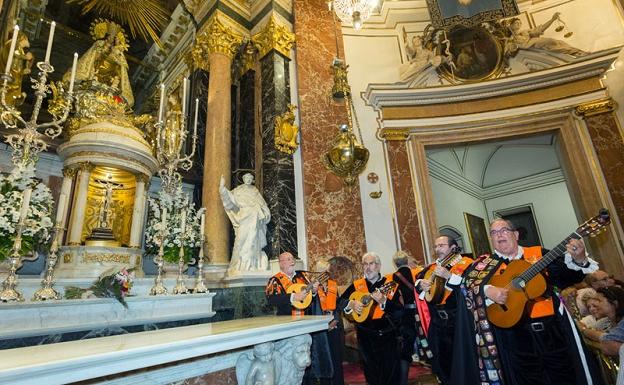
[
  {"x": 378, "y": 335},
  {"x": 449, "y": 266},
  {"x": 278, "y": 284}
]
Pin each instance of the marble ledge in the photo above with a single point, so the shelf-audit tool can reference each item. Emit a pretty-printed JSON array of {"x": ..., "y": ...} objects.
[
  {"x": 82, "y": 360},
  {"x": 26, "y": 319}
]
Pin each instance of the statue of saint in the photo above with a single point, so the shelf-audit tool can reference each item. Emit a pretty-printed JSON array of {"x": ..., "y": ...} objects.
[
  {"x": 532, "y": 38},
  {"x": 419, "y": 57},
  {"x": 105, "y": 62},
  {"x": 249, "y": 215},
  {"x": 22, "y": 63}
]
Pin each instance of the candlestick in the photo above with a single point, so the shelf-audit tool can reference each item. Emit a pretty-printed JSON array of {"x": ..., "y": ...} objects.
[
  {"x": 73, "y": 73},
  {"x": 183, "y": 221},
  {"x": 202, "y": 224},
  {"x": 25, "y": 204},
  {"x": 7, "y": 70},
  {"x": 184, "y": 97},
  {"x": 50, "y": 38},
  {"x": 196, "y": 111},
  {"x": 162, "y": 103},
  {"x": 59, "y": 209}
]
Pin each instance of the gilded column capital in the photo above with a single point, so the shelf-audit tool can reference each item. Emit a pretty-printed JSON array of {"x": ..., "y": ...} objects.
[
  {"x": 274, "y": 36},
  {"x": 142, "y": 178},
  {"x": 215, "y": 38},
  {"x": 69, "y": 171},
  {"x": 249, "y": 57},
  {"x": 86, "y": 166},
  {"x": 394, "y": 134},
  {"x": 596, "y": 107}
]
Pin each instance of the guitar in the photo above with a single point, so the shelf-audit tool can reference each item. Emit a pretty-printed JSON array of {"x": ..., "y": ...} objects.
[
  {"x": 436, "y": 291},
  {"x": 299, "y": 287},
  {"x": 524, "y": 280},
  {"x": 367, "y": 300}
]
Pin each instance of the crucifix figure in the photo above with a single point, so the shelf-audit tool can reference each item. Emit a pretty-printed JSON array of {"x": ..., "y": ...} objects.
[{"x": 105, "y": 219}]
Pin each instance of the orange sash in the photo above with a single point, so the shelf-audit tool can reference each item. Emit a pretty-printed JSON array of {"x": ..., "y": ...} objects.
[
  {"x": 328, "y": 300},
  {"x": 286, "y": 282},
  {"x": 360, "y": 285}
]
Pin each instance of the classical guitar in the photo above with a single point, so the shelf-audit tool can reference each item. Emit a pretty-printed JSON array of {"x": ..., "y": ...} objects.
[
  {"x": 368, "y": 301},
  {"x": 299, "y": 287},
  {"x": 436, "y": 291},
  {"x": 524, "y": 280}
]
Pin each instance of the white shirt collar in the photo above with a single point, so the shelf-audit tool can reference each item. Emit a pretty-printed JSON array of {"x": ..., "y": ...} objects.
[{"x": 511, "y": 257}]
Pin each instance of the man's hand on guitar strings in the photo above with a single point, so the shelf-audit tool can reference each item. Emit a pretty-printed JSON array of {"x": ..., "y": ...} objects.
[
  {"x": 440, "y": 271},
  {"x": 378, "y": 297},
  {"x": 497, "y": 294}
]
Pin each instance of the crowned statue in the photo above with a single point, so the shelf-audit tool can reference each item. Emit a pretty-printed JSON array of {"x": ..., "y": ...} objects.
[{"x": 104, "y": 64}]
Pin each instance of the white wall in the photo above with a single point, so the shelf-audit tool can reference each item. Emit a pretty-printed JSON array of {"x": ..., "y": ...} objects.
[
  {"x": 451, "y": 203},
  {"x": 554, "y": 213}
]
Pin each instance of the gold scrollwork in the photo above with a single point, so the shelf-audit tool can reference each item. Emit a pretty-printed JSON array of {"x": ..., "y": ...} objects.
[
  {"x": 286, "y": 131},
  {"x": 215, "y": 37},
  {"x": 395, "y": 134},
  {"x": 93, "y": 258},
  {"x": 67, "y": 258},
  {"x": 274, "y": 36},
  {"x": 596, "y": 107},
  {"x": 69, "y": 172}
]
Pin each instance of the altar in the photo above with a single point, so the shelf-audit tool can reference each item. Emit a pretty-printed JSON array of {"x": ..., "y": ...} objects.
[{"x": 211, "y": 353}]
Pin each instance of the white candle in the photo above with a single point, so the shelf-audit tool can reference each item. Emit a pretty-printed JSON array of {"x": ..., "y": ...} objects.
[
  {"x": 25, "y": 205},
  {"x": 202, "y": 224},
  {"x": 73, "y": 73},
  {"x": 50, "y": 38},
  {"x": 164, "y": 217},
  {"x": 184, "y": 97},
  {"x": 7, "y": 70},
  {"x": 183, "y": 222},
  {"x": 59, "y": 209},
  {"x": 196, "y": 111},
  {"x": 162, "y": 102}
]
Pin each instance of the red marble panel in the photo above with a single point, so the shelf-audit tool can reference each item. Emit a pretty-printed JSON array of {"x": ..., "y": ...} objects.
[
  {"x": 404, "y": 200},
  {"x": 334, "y": 222},
  {"x": 609, "y": 145},
  {"x": 222, "y": 377}
]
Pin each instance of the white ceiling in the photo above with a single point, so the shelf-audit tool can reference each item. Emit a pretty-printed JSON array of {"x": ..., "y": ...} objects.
[{"x": 493, "y": 163}]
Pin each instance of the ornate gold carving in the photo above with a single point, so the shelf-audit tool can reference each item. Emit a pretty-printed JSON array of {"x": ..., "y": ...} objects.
[
  {"x": 596, "y": 107},
  {"x": 274, "y": 36},
  {"x": 86, "y": 166},
  {"x": 249, "y": 57},
  {"x": 67, "y": 258},
  {"x": 395, "y": 134},
  {"x": 142, "y": 178},
  {"x": 286, "y": 131},
  {"x": 215, "y": 37},
  {"x": 95, "y": 258},
  {"x": 69, "y": 172}
]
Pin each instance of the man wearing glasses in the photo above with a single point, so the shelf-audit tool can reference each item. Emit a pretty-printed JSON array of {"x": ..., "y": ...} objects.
[
  {"x": 448, "y": 266},
  {"x": 544, "y": 347},
  {"x": 378, "y": 335}
]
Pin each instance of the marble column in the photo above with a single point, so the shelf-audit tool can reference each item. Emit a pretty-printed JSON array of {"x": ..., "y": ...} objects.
[
  {"x": 277, "y": 173},
  {"x": 76, "y": 222},
  {"x": 138, "y": 210},
  {"x": 404, "y": 199},
  {"x": 66, "y": 189},
  {"x": 334, "y": 222},
  {"x": 220, "y": 44},
  {"x": 606, "y": 136}
]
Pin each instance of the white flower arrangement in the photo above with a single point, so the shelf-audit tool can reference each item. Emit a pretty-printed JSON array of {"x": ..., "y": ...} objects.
[
  {"x": 38, "y": 223},
  {"x": 173, "y": 240}
]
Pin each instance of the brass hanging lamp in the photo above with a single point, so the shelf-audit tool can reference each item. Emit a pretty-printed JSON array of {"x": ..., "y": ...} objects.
[{"x": 347, "y": 157}]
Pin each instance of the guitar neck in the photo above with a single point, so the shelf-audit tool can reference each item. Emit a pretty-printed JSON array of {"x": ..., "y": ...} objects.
[{"x": 547, "y": 259}]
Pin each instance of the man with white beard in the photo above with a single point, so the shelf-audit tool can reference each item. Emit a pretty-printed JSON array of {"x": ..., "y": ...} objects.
[{"x": 378, "y": 335}]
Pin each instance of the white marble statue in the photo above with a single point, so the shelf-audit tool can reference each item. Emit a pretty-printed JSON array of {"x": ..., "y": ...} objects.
[
  {"x": 292, "y": 358},
  {"x": 249, "y": 215},
  {"x": 257, "y": 368}
]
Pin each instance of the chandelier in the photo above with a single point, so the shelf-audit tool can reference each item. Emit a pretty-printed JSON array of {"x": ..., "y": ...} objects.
[{"x": 355, "y": 12}]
